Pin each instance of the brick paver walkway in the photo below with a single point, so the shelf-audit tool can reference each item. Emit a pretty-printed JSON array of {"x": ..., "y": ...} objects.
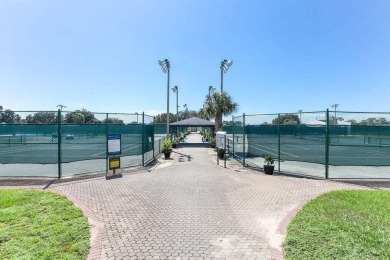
[{"x": 190, "y": 208}]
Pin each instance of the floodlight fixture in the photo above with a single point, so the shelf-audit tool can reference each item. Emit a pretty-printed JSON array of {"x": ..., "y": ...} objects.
[
  {"x": 165, "y": 65},
  {"x": 175, "y": 89},
  {"x": 335, "y": 115},
  {"x": 225, "y": 65},
  {"x": 61, "y": 107}
]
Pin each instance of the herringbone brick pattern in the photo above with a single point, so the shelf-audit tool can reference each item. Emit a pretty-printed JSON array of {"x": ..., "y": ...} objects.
[{"x": 190, "y": 208}]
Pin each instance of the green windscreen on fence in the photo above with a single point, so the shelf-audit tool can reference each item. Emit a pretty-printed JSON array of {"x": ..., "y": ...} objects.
[
  {"x": 28, "y": 143},
  {"x": 72, "y": 143},
  {"x": 305, "y": 140}
]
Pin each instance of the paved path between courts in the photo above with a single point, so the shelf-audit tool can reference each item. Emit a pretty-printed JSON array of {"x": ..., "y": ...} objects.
[{"x": 190, "y": 208}]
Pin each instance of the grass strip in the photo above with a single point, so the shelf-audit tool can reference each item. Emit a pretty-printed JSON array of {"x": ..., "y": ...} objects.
[
  {"x": 41, "y": 225},
  {"x": 342, "y": 225}
]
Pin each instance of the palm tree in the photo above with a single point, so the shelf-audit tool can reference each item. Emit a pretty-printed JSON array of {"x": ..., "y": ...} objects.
[{"x": 219, "y": 104}]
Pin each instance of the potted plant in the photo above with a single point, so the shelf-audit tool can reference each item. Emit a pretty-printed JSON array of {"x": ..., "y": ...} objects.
[
  {"x": 206, "y": 137},
  {"x": 269, "y": 164},
  {"x": 221, "y": 153},
  {"x": 213, "y": 141},
  {"x": 175, "y": 142},
  {"x": 167, "y": 148}
]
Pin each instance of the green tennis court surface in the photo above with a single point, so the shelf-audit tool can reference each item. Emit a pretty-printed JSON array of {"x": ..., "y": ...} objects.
[
  {"x": 343, "y": 151},
  {"x": 44, "y": 150}
]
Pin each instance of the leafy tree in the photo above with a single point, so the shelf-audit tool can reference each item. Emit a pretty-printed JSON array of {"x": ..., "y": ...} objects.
[
  {"x": 352, "y": 121},
  {"x": 74, "y": 118},
  {"x": 371, "y": 121},
  {"x": 202, "y": 113},
  {"x": 114, "y": 120},
  {"x": 89, "y": 117},
  {"x": 9, "y": 117},
  {"x": 219, "y": 104},
  {"x": 162, "y": 118},
  {"x": 383, "y": 121},
  {"x": 42, "y": 118},
  {"x": 187, "y": 114},
  {"x": 82, "y": 116},
  {"x": 287, "y": 119}
]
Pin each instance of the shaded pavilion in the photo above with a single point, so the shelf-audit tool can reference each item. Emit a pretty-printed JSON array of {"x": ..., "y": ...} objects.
[{"x": 192, "y": 122}]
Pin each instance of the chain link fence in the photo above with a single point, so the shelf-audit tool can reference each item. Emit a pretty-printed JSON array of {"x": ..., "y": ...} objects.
[
  {"x": 60, "y": 143},
  {"x": 324, "y": 144}
]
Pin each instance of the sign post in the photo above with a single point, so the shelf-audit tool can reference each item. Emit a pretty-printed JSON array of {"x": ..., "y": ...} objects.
[
  {"x": 221, "y": 144},
  {"x": 114, "y": 148},
  {"x": 225, "y": 151}
]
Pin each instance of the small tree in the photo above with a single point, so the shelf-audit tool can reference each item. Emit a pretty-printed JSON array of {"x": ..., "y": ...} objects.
[
  {"x": 9, "y": 117},
  {"x": 287, "y": 119},
  {"x": 162, "y": 118},
  {"x": 218, "y": 105},
  {"x": 42, "y": 118},
  {"x": 82, "y": 116}
]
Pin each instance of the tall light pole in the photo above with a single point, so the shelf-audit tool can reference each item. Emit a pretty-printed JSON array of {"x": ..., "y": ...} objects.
[
  {"x": 165, "y": 66},
  {"x": 61, "y": 107},
  {"x": 335, "y": 116},
  {"x": 175, "y": 89},
  {"x": 225, "y": 65}
]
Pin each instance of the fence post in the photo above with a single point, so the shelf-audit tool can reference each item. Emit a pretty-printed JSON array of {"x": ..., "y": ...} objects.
[
  {"x": 233, "y": 134},
  {"x": 106, "y": 143},
  {"x": 153, "y": 140},
  {"x": 243, "y": 141},
  {"x": 143, "y": 139},
  {"x": 278, "y": 142},
  {"x": 327, "y": 145},
  {"x": 59, "y": 121}
]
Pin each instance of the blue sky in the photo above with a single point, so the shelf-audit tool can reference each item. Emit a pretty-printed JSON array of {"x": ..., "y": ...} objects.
[{"x": 102, "y": 55}]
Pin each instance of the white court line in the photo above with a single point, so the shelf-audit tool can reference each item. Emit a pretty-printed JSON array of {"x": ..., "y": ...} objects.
[
  {"x": 359, "y": 149},
  {"x": 274, "y": 150},
  {"x": 300, "y": 147},
  {"x": 27, "y": 149},
  {"x": 130, "y": 146},
  {"x": 122, "y": 150},
  {"x": 266, "y": 151},
  {"x": 42, "y": 146}
]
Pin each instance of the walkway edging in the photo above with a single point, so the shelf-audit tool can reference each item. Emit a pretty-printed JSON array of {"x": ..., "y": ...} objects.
[{"x": 95, "y": 226}]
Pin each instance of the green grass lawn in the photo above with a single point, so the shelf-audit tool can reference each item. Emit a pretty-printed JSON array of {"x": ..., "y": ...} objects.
[
  {"x": 41, "y": 225},
  {"x": 342, "y": 225}
]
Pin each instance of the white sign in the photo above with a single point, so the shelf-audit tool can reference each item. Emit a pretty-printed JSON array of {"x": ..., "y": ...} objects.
[
  {"x": 114, "y": 144},
  {"x": 221, "y": 139}
]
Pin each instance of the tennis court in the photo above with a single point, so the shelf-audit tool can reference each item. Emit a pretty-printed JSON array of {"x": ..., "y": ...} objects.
[
  {"x": 342, "y": 150},
  {"x": 39, "y": 155},
  {"x": 30, "y": 145},
  {"x": 44, "y": 150},
  {"x": 356, "y": 156}
]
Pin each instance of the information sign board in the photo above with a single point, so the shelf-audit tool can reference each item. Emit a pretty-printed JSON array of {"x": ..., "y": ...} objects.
[
  {"x": 114, "y": 163},
  {"x": 221, "y": 139},
  {"x": 114, "y": 144}
]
